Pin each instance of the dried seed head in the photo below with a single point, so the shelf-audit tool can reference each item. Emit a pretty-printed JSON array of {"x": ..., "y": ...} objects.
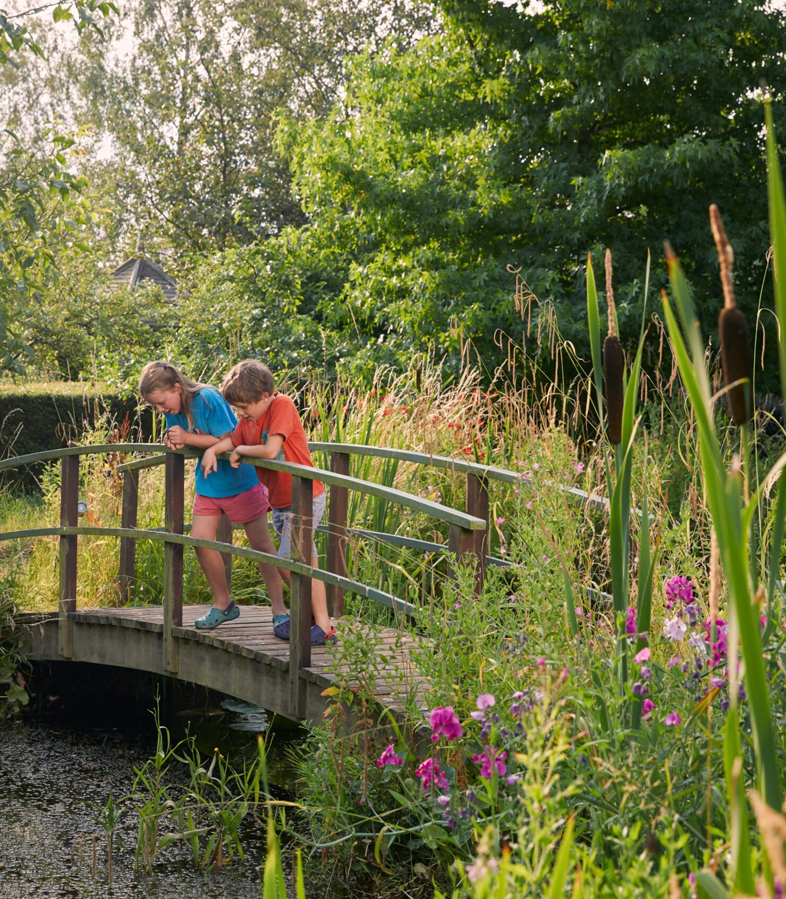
[
  {"x": 733, "y": 331},
  {"x": 772, "y": 826},
  {"x": 610, "y": 294},
  {"x": 613, "y": 367}
]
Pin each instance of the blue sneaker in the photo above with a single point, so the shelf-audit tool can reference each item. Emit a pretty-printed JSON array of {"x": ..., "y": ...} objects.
[{"x": 217, "y": 616}]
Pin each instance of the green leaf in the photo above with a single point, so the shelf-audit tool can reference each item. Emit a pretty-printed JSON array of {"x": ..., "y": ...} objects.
[{"x": 560, "y": 873}]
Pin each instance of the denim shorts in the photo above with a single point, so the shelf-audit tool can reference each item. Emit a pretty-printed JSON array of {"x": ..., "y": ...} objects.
[{"x": 282, "y": 522}]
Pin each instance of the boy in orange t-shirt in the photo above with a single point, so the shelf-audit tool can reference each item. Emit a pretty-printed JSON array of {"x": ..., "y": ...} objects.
[{"x": 269, "y": 427}]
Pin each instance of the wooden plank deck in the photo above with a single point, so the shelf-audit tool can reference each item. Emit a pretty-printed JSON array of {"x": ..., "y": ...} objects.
[{"x": 241, "y": 658}]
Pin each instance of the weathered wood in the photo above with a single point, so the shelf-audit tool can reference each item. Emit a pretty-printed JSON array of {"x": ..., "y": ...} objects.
[
  {"x": 161, "y": 535},
  {"x": 416, "y": 503},
  {"x": 92, "y": 450},
  {"x": 69, "y": 516},
  {"x": 128, "y": 519},
  {"x": 300, "y": 592},
  {"x": 173, "y": 558},
  {"x": 461, "y": 543},
  {"x": 337, "y": 534},
  {"x": 224, "y": 535},
  {"x": 141, "y": 464},
  {"x": 477, "y": 505}
]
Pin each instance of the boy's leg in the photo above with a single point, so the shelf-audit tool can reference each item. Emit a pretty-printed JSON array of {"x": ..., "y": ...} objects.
[
  {"x": 205, "y": 527},
  {"x": 259, "y": 538}
]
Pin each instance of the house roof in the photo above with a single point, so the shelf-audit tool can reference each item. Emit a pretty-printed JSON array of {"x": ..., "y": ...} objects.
[{"x": 133, "y": 272}]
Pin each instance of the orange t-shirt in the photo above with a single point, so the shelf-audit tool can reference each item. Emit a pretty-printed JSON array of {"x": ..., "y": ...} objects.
[{"x": 281, "y": 418}]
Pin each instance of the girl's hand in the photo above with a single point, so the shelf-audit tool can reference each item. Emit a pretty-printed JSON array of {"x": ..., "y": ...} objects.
[
  {"x": 177, "y": 436},
  {"x": 209, "y": 462},
  {"x": 168, "y": 441}
]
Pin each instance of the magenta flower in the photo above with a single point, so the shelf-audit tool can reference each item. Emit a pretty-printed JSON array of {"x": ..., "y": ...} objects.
[
  {"x": 672, "y": 719},
  {"x": 389, "y": 757},
  {"x": 444, "y": 723},
  {"x": 642, "y": 656},
  {"x": 647, "y": 709},
  {"x": 429, "y": 772},
  {"x": 489, "y": 760},
  {"x": 679, "y": 589},
  {"x": 630, "y": 621}
]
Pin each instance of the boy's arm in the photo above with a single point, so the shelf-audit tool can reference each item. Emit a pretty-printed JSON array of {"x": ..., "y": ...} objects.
[
  {"x": 268, "y": 450},
  {"x": 209, "y": 462}
]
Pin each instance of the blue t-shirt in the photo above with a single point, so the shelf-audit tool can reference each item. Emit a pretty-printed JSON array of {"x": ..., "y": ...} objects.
[{"x": 213, "y": 415}]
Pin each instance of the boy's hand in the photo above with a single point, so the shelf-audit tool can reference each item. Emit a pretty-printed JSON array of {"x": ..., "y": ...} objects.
[
  {"x": 209, "y": 462},
  {"x": 235, "y": 458}
]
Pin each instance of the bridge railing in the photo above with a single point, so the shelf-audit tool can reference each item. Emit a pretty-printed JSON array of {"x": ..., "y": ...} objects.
[{"x": 463, "y": 541}]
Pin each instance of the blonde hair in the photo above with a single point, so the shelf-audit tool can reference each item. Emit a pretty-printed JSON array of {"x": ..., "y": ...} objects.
[
  {"x": 247, "y": 382},
  {"x": 163, "y": 376}
]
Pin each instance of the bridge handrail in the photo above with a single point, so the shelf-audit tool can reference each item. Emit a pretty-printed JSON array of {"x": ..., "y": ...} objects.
[
  {"x": 416, "y": 503},
  {"x": 162, "y": 536}
]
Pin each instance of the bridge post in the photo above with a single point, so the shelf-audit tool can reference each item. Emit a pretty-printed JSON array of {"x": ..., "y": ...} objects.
[
  {"x": 300, "y": 593},
  {"x": 477, "y": 504},
  {"x": 128, "y": 518},
  {"x": 337, "y": 534},
  {"x": 69, "y": 518},
  {"x": 173, "y": 557},
  {"x": 461, "y": 543},
  {"x": 224, "y": 535}
]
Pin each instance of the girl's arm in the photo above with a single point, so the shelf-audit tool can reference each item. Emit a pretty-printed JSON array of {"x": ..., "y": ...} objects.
[{"x": 179, "y": 437}]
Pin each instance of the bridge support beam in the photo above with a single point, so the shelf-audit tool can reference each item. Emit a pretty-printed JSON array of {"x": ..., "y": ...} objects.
[
  {"x": 477, "y": 504},
  {"x": 337, "y": 534},
  {"x": 128, "y": 519},
  {"x": 69, "y": 518},
  {"x": 224, "y": 535},
  {"x": 173, "y": 558},
  {"x": 300, "y": 594}
]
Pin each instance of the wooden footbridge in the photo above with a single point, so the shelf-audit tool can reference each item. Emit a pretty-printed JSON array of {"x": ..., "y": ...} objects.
[{"x": 243, "y": 658}]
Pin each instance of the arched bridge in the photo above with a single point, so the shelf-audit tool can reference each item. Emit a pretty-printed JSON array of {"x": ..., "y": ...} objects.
[{"x": 243, "y": 658}]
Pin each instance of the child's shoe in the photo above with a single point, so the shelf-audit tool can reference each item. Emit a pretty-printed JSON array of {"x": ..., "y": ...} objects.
[
  {"x": 217, "y": 616},
  {"x": 320, "y": 638},
  {"x": 281, "y": 626}
]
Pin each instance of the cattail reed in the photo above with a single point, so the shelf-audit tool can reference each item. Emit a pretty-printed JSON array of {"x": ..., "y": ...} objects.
[
  {"x": 733, "y": 330},
  {"x": 613, "y": 366}
]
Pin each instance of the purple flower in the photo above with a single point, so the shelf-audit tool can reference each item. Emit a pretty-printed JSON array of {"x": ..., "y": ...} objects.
[
  {"x": 489, "y": 760},
  {"x": 672, "y": 718},
  {"x": 646, "y": 673},
  {"x": 674, "y": 660},
  {"x": 717, "y": 682},
  {"x": 485, "y": 701},
  {"x": 642, "y": 656},
  {"x": 389, "y": 757},
  {"x": 674, "y": 629},
  {"x": 429, "y": 773},
  {"x": 512, "y": 779},
  {"x": 444, "y": 723},
  {"x": 443, "y": 800}
]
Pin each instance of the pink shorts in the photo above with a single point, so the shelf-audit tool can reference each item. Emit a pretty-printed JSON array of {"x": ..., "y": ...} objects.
[{"x": 241, "y": 508}]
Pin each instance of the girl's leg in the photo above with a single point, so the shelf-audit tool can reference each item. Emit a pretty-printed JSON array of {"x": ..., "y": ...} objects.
[
  {"x": 205, "y": 527},
  {"x": 259, "y": 538},
  {"x": 319, "y": 601}
]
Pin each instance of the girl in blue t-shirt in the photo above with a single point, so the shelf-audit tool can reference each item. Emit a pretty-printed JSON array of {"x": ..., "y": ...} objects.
[{"x": 197, "y": 415}]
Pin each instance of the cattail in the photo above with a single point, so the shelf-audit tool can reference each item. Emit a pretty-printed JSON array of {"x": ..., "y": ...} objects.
[
  {"x": 733, "y": 330},
  {"x": 613, "y": 366}
]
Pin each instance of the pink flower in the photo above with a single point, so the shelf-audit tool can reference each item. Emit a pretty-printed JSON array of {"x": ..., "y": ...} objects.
[
  {"x": 389, "y": 757},
  {"x": 642, "y": 656},
  {"x": 500, "y": 521},
  {"x": 579, "y": 467},
  {"x": 579, "y": 612},
  {"x": 490, "y": 760},
  {"x": 648, "y": 706},
  {"x": 444, "y": 723},
  {"x": 529, "y": 506},
  {"x": 672, "y": 719},
  {"x": 485, "y": 701},
  {"x": 429, "y": 773}
]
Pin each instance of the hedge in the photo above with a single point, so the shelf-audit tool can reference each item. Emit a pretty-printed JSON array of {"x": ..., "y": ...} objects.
[{"x": 37, "y": 417}]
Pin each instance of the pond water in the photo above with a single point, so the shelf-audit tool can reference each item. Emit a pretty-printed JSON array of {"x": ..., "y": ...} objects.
[{"x": 87, "y": 731}]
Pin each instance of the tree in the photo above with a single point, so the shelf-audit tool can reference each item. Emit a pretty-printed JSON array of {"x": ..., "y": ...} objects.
[
  {"x": 41, "y": 198},
  {"x": 527, "y": 137},
  {"x": 192, "y": 113}
]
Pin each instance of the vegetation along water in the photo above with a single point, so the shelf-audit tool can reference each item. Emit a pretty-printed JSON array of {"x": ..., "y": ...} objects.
[{"x": 442, "y": 225}]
